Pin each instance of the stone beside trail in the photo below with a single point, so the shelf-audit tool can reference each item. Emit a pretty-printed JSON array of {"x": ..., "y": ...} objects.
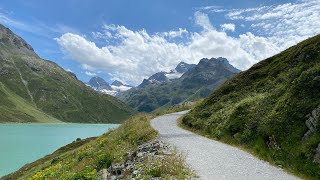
[
  {"x": 133, "y": 165},
  {"x": 212, "y": 159}
]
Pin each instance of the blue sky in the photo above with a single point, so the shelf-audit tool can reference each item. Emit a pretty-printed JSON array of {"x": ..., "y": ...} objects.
[{"x": 130, "y": 40}]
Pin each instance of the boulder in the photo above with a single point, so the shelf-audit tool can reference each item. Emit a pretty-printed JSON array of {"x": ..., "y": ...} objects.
[
  {"x": 3, "y": 71},
  {"x": 316, "y": 158},
  {"x": 312, "y": 123}
]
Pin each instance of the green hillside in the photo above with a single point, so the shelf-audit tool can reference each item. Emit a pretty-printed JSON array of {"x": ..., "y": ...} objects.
[
  {"x": 13, "y": 108},
  {"x": 272, "y": 109},
  {"x": 37, "y": 90}
]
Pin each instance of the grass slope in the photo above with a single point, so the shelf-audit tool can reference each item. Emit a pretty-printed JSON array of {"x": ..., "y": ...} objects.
[
  {"x": 13, "y": 108},
  {"x": 264, "y": 109},
  {"x": 49, "y": 88},
  {"x": 58, "y": 93}
]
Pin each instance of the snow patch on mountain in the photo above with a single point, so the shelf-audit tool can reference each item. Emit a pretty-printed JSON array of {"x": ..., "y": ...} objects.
[
  {"x": 121, "y": 88},
  {"x": 173, "y": 74}
]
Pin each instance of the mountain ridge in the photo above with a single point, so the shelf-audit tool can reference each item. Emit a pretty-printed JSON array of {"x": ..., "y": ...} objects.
[
  {"x": 31, "y": 84},
  {"x": 161, "y": 77},
  {"x": 100, "y": 85},
  {"x": 193, "y": 84}
]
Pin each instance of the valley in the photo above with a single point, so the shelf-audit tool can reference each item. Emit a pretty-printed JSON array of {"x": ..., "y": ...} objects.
[{"x": 115, "y": 90}]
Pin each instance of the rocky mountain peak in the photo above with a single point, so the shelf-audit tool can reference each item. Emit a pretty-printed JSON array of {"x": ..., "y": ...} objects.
[
  {"x": 160, "y": 76},
  {"x": 156, "y": 78},
  {"x": 14, "y": 42},
  {"x": 99, "y": 83},
  {"x": 228, "y": 65},
  {"x": 117, "y": 83},
  {"x": 183, "y": 67},
  {"x": 205, "y": 63}
]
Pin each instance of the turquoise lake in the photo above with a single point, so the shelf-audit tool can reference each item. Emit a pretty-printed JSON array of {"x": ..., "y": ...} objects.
[{"x": 25, "y": 143}]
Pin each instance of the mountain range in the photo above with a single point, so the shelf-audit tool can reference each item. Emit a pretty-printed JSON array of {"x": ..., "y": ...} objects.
[
  {"x": 100, "y": 85},
  {"x": 37, "y": 90},
  {"x": 187, "y": 82},
  {"x": 161, "y": 77}
]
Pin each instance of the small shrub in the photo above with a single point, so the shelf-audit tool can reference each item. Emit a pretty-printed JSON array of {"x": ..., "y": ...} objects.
[{"x": 104, "y": 161}]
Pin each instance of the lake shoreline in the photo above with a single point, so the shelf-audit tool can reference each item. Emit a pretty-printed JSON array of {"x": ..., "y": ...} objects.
[{"x": 24, "y": 143}]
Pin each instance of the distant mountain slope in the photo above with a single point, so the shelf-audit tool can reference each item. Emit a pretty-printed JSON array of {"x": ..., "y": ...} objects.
[
  {"x": 100, "y": 85},
  {"x": 161, "y": 77},
  {"x": 117, "y": 83},
  {"x": 183, "y": 67},
  {"x": 272, "y": 109},
  {"x": 193, "y": 84},
  {"x": 33, "y": 89}
]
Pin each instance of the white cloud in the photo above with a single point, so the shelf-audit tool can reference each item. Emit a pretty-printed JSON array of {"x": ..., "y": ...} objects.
[
  {"x": 69, "y": 70},
  {"x": 120, "y": 88},
  {"x": 139, "y": 54},
  {"x": 174, "y": 34},
  {"x": 285, "y": 24},
  {"x": 202, "y": 20},
  {"x": 90, "y": 73},
  {"x": 229, "y": 27}
]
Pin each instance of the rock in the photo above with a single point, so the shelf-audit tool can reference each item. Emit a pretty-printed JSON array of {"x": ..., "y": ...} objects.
[
  {"x": 103, "y": 174},
  {"x": 3, "y": 71},
  {"x": 135, "y": 173},
  {"x": 135, "y": 160},
  {"x": 316, "y": 158},
  {"x": 312, "y": 123},
  {"x": 140, "y": 154},
  {"x": 272, "y": 143}
]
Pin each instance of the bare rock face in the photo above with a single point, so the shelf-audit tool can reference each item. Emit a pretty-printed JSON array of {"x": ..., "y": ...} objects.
[
  {"x": 312, "y": 123},
  {"x": 15, "y": 43},
  {"x": 3, "y": 71},
  {"x": 316, "y": 158}
]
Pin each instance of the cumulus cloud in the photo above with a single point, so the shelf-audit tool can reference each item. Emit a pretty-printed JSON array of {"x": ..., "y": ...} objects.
[
  {"x": 69, "y": 70},
  {"x": 202, "y": 19},
  {"x": 229, "y": 27},
  {"x": 120, "y": 88},
  {"x": 130, "y": 56},
  {"x": 174, "y": 34},
  {"x": 286, "y": 24},
  {"x": 140, "y": 54},
  {"x": 90, "y": 73}
]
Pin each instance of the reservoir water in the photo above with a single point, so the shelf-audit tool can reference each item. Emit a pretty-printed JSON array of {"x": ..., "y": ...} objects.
[{"x": 25, "y": 143}]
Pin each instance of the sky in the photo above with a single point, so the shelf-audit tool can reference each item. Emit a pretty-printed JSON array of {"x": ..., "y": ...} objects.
[{"x": 131, "y": 40}]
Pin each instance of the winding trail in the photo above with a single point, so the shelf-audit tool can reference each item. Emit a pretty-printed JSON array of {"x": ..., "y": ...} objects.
[{"x": 212, "y": 159}]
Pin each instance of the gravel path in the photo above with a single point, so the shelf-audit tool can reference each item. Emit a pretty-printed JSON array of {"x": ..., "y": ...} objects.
[{"x": 212, "y": 159}]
